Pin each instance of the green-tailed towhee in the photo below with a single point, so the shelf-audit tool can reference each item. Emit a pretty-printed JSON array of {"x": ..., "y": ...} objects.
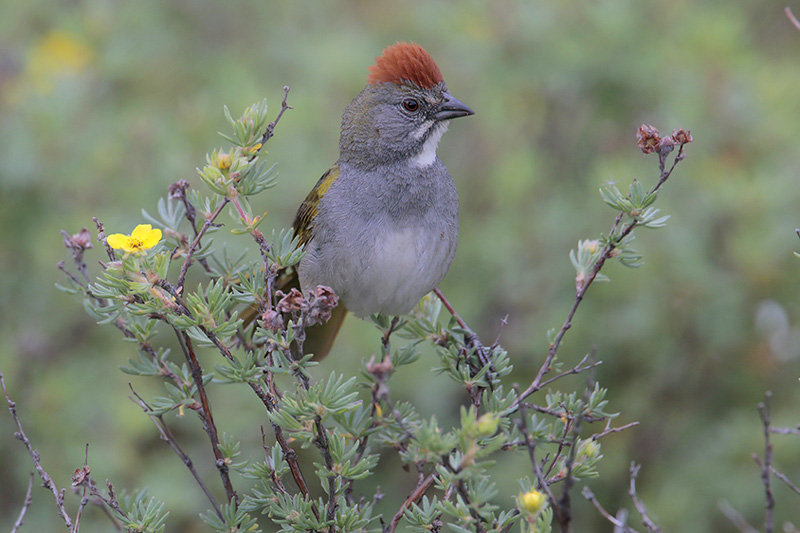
[{"x": 380, "y": 227}]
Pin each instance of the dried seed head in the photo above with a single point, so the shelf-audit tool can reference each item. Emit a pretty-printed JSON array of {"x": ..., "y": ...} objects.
[
  {"x": 682, "y": 136},
  {"x": 291, "y": 303},
  {"x": 380, "y": 370},
  {"x": 322, "y": 301},
  {"x": 272, "y": 320},
  {"x": 178, "y": 189},
  {"x": 647, "y": 138},
  {"x": 665, "y": 145},
  {"x": 82, "y": 239}
]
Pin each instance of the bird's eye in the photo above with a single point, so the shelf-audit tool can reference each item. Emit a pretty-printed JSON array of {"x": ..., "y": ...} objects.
[{"x": 410, "y": 105}]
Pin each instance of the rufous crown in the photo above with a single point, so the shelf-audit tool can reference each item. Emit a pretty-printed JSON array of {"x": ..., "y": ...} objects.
[{"x": 405, "y": 62}]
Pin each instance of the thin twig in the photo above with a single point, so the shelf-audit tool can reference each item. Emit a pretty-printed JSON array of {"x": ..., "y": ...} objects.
[
  {"x": 120, "y": 324},
  {"x": 27, "y": 503},
  {"x": 207, "y": 223},
  {"x": 559, "y": 414},
  {"x": 78, "y": 244},
  {"x": 462, "y": 491},
  {"x": 208, "y": 419},
  {"x": 270, "y": 131},
  {"x": 421, "y": 488},
  {"x": 291, "y": 458},
  {"x": 79, "y": 478},
  {"x": 273, "y": 475},
  {"x": 536, "y": 384},
  {"x": 792, "y": 18},
  {"x": 60, "y": 265},
  {"x": 472, "y": 337},
  {"x": 736, "y": 517},
  {"x": 577, "y": 369},
  {"x": 610, "y": 429},
  {"x": 565, "y": 503},
  {"x": 648, "y": 523},
  {"x": 522, "y": 424},
  {"x": 784, "y": 431},
  {"x": 169, "y": 438},
  {"x": 766, "y": 464},
  {"x": 589, "y": 495},
  {"x": 321, "y": 441},
  {"x": 606, "y": 254},
  {"x": 266, "y": 397},
  {"x": 101, "y": 237},
  {"x": 47, "y": 481},
  {"x": 782, "y": 477}
]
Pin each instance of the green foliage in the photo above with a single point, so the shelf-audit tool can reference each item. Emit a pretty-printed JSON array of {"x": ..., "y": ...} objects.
[
  {"x": 233, "y": 520},
  {"x": 138, "y": 516},
  {"x": 331, "y": 415},
  {"x": 285, "y": 251},
  {"x": 108, "y": 136}
]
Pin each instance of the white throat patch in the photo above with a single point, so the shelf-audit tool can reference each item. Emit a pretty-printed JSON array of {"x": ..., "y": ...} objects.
[{"x": 427, "y": 155}]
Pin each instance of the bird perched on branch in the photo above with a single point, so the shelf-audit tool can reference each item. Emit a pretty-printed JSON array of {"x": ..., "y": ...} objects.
[{"x": 380, "y": 227}]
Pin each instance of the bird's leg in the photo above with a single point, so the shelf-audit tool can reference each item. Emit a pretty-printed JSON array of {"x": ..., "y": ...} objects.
[{"x": 387, "y": 334}]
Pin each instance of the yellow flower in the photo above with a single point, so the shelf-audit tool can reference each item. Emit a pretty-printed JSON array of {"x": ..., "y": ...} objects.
[
  {"x": 532, "y": 502},
  {"x": 143, "y": 237}
]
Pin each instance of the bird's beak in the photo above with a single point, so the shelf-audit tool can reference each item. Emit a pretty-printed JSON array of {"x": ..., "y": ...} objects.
[{"x": 452, "y": 108}]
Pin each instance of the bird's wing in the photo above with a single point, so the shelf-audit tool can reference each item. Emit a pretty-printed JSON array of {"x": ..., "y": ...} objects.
[{"x": 307, "y": 212}]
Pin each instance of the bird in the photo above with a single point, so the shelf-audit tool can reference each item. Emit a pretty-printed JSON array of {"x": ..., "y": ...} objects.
[{"x": 380, "y": 227}]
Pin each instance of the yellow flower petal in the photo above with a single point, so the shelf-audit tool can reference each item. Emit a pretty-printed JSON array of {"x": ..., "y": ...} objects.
[
  {"x": 143, "y": 237},
  {"x": 141, "y": 231},
  {"x": 532, "y": 501},
  {"x": 118, "y": 241},
  {"x": 152, "y": 239}
]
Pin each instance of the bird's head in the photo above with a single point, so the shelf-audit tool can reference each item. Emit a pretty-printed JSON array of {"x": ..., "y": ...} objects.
[{"x": 401, "y": 114}]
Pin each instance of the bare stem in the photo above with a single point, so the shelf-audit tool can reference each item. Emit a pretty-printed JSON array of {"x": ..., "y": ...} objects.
[
  {"x": 648, "y": 523},
  {"x": 792, "y": 18},
  {"x": 47, "y": 481},
  {"x": 101, "y": 236},
  {"x": 522, "y": 423},
  {"x": 169, "y": 438},
  {"x": 208, "y": 419},
  {"x": 270, "y": 131},
  {"x": 766, "y": 465},
  {"x": 321, "y": 441},
  {"x": 606, "y": 254},
  {"x": 782, "y": 477},
  {"x": 421, "y": 488},
  {"x": 736, "y": 518},
  {"x": 472, "y": 337},
  {"x": 25, "y": 505},
  {"x": 589, "y": 495},
  {"x": 207, "y": 223}
]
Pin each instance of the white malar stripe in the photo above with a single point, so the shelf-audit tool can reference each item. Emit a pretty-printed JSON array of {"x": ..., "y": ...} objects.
[
  {"x": 419, "y": 132},
  {"x": 427, "y": 155}
]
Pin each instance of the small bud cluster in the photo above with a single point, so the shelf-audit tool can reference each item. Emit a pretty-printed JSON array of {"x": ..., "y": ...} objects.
[
  {"x": 531, "y": 502},
  {"x": 316, "y": 305},
  {"x": 380, "y": 370},
  {"x": 649, "y": 141},
  {"x": 79, "y": 241}
]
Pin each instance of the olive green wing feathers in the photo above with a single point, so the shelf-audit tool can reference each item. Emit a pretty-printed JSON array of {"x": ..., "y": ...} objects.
[
  {"x": 307, "y": 212},
  {"x": 320, "y": 337}
]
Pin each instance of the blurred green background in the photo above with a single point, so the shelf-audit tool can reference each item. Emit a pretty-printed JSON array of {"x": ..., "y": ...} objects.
[{"x": 104, "y": 103}]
